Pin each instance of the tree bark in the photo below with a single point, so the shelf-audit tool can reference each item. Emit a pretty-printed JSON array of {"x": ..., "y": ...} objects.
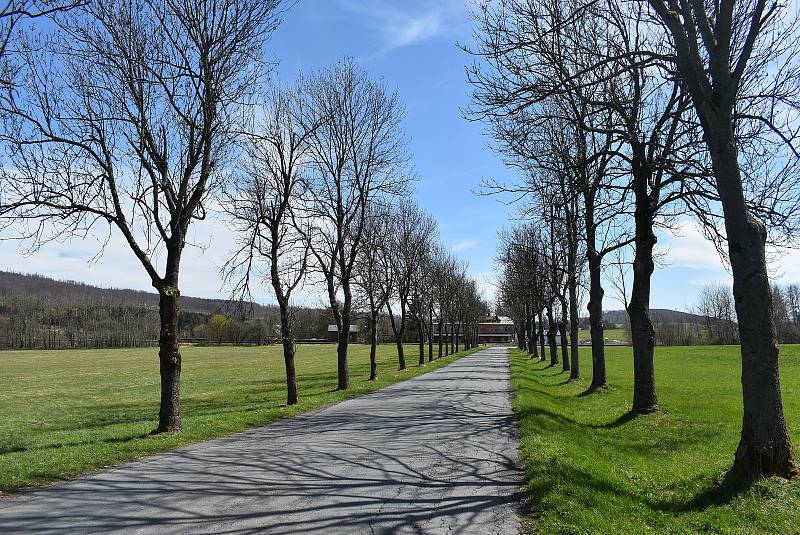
[
  {"x": 525, "y": 330},
  {"x": 542, "y": 355},
  {"x": 398, "y": 336},
  {"x": 421, "y": 341},
  {"x": 291, "y": 374},
  {"x": 645, "y": 399},
  {"x": 572, "y": 290},
  {"x": 562, "y": 329},
  {"x": 439, "y": 329},
  {"x": 343, "y": 369},
  {"x": 764, "y": 446},
  {"x": 551, "y": 337},
  {"x": 169, "y": 356},
  {"x": 595, "y": 308},
  {"x": 430, "y": 334},
  {"x": 373, "y": 346},
  {"x": 533, "y": 346},
  {"x": 288, "y": 355}
]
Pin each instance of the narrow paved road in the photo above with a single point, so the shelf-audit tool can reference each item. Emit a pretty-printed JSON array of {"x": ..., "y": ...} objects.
[{"x": 436, "y": 454}]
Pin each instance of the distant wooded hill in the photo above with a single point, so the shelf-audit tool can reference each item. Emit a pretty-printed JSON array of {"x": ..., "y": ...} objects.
[
  {"x": 19, "y": 284},
  {"x": 41, "y": 312}
]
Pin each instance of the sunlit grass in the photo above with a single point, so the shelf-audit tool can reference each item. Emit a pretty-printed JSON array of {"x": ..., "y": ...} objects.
[
  {"x": 69, "y": 412},
  {"x": 591, "y": 469}
]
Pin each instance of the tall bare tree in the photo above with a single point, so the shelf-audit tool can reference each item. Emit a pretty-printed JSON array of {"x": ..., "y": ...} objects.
[
  {"x": 410, "y": 241},
  {"x": 261, "y": 202},
  {"x": 124, "y": 118},
  {"x": 373, "y": 278},
  {"x": 359, "y": 156}
]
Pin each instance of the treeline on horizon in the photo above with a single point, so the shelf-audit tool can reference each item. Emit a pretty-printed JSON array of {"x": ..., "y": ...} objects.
[
  {"x": 38, "y": 312},
  {"x": 712, "y": 320}
]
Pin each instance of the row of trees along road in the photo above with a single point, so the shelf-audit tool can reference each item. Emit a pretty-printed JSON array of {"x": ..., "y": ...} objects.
[
  {"x": 622, "y": 117},
  {"x": 141, "y": 116}
]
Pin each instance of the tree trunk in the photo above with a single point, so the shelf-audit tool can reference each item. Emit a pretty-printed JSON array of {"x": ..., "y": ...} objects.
[
  {"x": 642, "y": 333},
  {"x": 595, "y": 309},
  {"x": 449, "y": 346},
  {"x": 341, "y": 350},
  {"x": 291, "y": 374},
  {"x": 542, "y": 356},
  {"x": 373, "y": 346},
  {"x": 439, "y": 329},
  {"x": 764, "y": 447},
  {"x": 562, "y": 329},
  {"x": 525, "y": 342},
  {"x": 551, "y": 337},
  {"x": 430, "y": 334},
  {"x": 288, "y": 354},
  {"x": 343, "y": 370},
  {"x": 421, "y": 340},
  {"x": 398, "y": 336},
  {"x": 572, "y": 290},
  {"x": 169, "y": 356},
  {"x": 533, "y": 345}
]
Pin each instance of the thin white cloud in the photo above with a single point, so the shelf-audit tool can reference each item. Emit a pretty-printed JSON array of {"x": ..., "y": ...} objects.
[
  {"x": 400, "y": 26},
  {"x": 685, "y": 246},
  {"x": 464, "y": 245}
]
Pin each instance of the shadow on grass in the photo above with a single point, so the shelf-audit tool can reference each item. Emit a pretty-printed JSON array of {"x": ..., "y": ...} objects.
[
  {"x": 621, "y": 420},
  {"x": 719, "y": 494},
  {"x": 617, "y": 422},
  {"x": 722, "y": 492},
  {"x": 58, "y": 445},
  {"x": 593, "y": 390}
]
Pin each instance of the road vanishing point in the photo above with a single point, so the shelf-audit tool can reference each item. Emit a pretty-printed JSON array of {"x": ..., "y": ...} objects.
[{"x": 434, "y": 454}]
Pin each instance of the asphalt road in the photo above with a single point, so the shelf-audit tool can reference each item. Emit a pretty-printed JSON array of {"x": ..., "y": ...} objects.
[{"x": 435, "y": 454}]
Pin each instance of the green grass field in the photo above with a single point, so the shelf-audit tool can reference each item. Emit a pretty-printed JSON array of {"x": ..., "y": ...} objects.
[
  {"x": 610, "y": 335},
  {"x": 589, "y": 469},
  {"x": 69, "y": 412}
]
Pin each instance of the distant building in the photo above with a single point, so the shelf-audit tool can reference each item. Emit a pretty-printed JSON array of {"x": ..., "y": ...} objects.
[
  {"x": 333, "y": 333},
  {"x": 496, "y": 330},
  {"x": 491, "y": 330}
]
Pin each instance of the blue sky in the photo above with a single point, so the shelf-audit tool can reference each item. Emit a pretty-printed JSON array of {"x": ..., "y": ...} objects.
[{"x": 412, "y": 45}]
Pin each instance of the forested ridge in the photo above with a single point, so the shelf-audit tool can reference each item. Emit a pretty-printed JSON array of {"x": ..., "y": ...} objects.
[{"x": 41, "y": 312}]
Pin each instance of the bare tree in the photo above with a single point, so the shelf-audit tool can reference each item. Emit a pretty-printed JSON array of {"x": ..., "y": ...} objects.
[
  {"x": 738, "y": 60},
  {"x": 422, "y": 293},
  {"x": 262, "y": 201},
  {"x": 715, "y": 305},
  {"x": 410, "y": 240},
  {"x": 359, "y": 155},
  {"x": 125, "y": 118},
  {"x": 373, "y": 278}
]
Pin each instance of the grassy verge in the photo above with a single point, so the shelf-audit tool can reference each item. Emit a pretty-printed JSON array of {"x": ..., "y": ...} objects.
[
  {"x": 70, "y": 412},
  {"x": 591, "y": 469}
]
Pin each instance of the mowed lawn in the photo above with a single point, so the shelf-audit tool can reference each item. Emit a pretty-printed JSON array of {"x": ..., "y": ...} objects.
[
  {"x": 591, "y": 469},
  {"x": 69, "y": 412}
]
